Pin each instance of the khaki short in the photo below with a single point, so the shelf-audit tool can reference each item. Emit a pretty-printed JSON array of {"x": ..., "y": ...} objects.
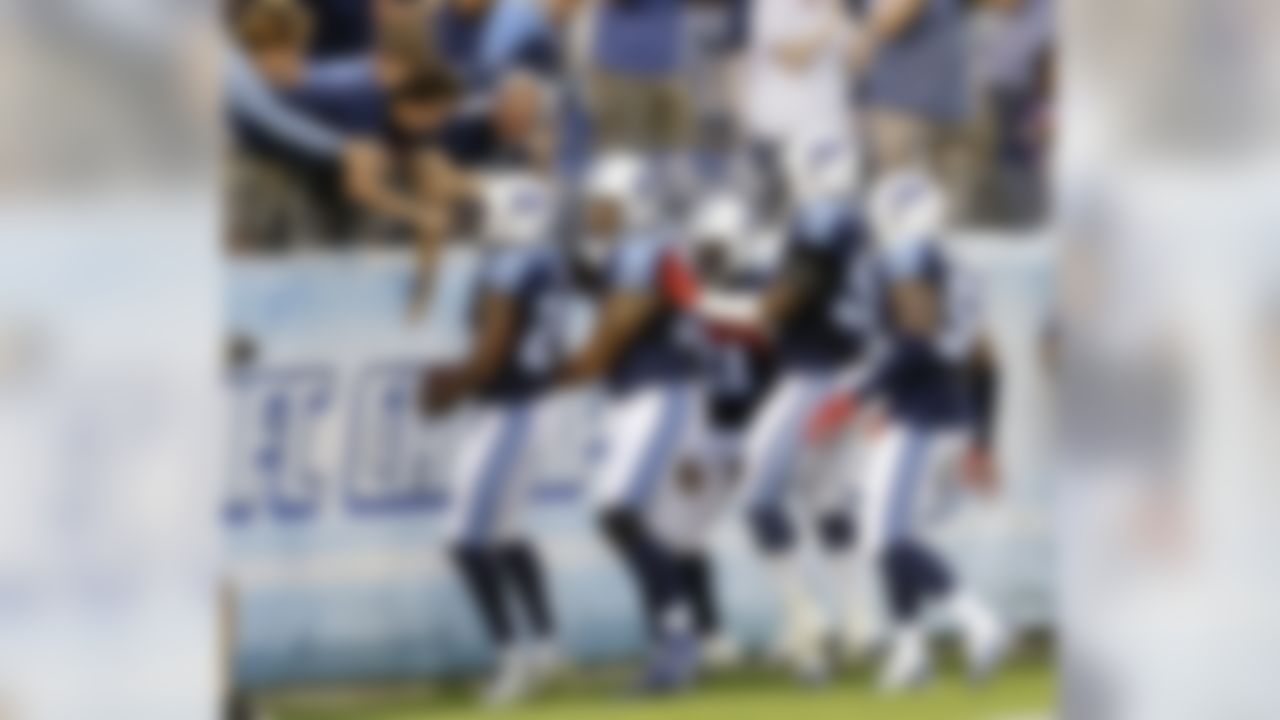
[
  {"x": 954, "y": 151},
  {"x": 640, "y": 112}
]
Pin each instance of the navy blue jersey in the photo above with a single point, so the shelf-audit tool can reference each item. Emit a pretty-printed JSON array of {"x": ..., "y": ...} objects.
[
  {"x": 341, "y": 27},
  {"x": 736, "y": 371},
  {"x": 472, "y": 140},
  {"x": 667, "y": 347},
  {"x": 345, "y": 93},
  {"x": 737, "y": 375},
  {"x": 469, "y": 139},
  {"x": 340, "y": 94},
  {"x": 922, "y": 380},
  {"x": 459, "y": 39},
  {"x": 534, "y": 280},
  {"x": 827, "y": 260}
]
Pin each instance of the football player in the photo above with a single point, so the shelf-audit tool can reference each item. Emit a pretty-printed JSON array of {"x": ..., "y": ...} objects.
[
  {"x": 643, "y": 352},
  {"x": 932, "y": 396},
  {"x": 814, "y": 314},
  {"x": 507, "y": 376},
  {"x": 736, "y": 371}
]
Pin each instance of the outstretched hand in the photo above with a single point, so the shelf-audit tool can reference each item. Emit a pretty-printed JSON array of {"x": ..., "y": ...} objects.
[
  {"x": 980, "y": 472},
  {"x": 442, "y": 390}
]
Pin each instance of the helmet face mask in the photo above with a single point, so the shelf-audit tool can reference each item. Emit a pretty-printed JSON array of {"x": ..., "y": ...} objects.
[
  {"x": 615, "y": 202},
  {"x": 717, "y": 231}
]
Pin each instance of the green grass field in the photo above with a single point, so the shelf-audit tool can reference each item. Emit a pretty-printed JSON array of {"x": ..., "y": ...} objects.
[{"x": 1023, "y": 691}]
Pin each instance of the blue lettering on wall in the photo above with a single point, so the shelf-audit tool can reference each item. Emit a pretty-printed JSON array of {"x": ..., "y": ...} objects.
[
  {"x": 389, "y": 461},
  {"x": 275, "y": 414}
]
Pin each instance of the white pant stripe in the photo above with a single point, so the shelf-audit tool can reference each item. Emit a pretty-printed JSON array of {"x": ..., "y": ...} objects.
[
  {"x": 776, "y": 445},
  {"x": 498, "y": 469},
  {"x": 660, "y": 455}
]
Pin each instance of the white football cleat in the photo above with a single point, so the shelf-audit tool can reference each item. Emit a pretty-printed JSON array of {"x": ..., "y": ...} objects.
[
  {"x": 985, "y": 639},
  {"x": 512, "y": 681},
  {"x": 544, "y": 660},
  {"x": 802, "y": 645},
  {"x": 987, "y": 654},
  {"x": 802, "y": 640},
  {"x": 859, "y": 637},
  {"x": 909, "y": 665},
  {"x": 721, "y": 652},
  {"x": 805, "y": 653}
]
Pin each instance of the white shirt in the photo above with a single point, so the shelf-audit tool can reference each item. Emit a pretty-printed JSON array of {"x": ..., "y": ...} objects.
[{"x": 780, "y": 103}]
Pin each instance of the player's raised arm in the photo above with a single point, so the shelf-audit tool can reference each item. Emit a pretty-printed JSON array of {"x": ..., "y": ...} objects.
[{"x": 417, "y": 110}]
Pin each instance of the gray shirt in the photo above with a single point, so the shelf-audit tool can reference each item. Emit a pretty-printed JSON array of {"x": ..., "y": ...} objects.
[
  {"x": 924, "y": 70},
  {"x": 1010, "y": 43}
]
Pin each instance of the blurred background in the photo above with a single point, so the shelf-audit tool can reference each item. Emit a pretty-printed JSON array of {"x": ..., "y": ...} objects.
[
  {"x": 349, "y": 121},
  {"x": 211, "y": 297}
]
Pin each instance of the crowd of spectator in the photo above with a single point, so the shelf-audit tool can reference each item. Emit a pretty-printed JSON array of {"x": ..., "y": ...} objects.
[{"x": 363, "y": 121}]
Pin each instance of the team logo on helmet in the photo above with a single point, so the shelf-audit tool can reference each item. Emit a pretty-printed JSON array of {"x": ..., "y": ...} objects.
[{"x": 518, "y": 208}]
